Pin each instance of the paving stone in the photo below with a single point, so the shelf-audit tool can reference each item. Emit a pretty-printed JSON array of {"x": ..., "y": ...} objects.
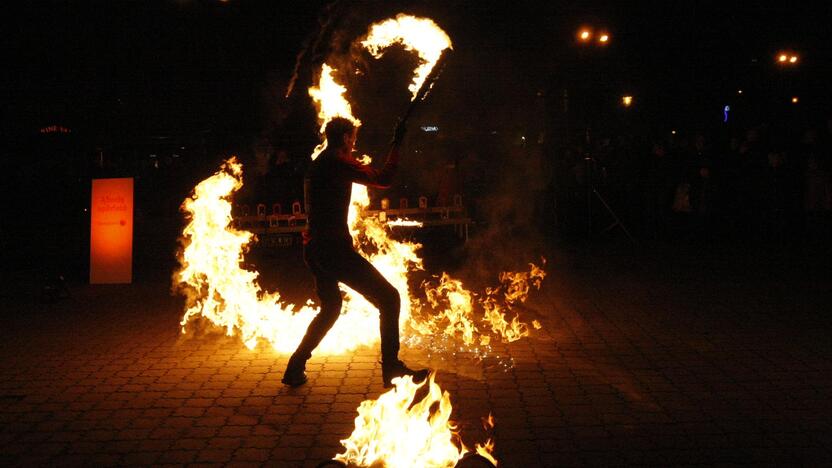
[{"x": 631, "y": 368}]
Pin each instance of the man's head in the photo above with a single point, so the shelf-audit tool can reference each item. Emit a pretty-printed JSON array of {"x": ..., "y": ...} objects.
[{"x": 340, "y": 134}]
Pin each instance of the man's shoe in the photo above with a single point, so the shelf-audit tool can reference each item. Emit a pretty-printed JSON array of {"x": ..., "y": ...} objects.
[
  {"x": 398, "y": 369},
  {"x": 294, "y": 380},
  {"x": 294, "y": 375}
]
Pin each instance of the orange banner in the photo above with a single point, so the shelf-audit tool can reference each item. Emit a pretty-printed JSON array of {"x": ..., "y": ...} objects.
[{"x": 111, "y": 231}]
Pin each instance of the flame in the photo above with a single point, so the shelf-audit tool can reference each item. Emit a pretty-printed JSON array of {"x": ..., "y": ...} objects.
[
  {"x": 393, "y": 259},
  {"x": 514, "y": 289},
  {"x": 420, "y": 35},
  {"x": 486, "y": 450},
  {"x": 329, "y": 97},
  {"x": 398, "y": 429},
  {"x": 222, "y": 291},
  {"x": 405, "y": 222},
  {"x": 453, "y": 308}
]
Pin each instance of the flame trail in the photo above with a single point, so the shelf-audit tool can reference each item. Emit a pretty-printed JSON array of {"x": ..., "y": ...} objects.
[
  {"x": 398, "y": 430},
  {"x": 420, "y": 35}
]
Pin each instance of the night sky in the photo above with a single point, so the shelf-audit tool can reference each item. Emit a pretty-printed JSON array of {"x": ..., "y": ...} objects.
[{"x": 181, "y": 66}]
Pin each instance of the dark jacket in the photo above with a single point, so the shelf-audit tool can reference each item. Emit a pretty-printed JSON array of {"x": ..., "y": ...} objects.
[{"x": 327, "y": 189}]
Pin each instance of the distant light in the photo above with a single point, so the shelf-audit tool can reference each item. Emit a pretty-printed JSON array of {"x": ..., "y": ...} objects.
[
  {"x": 739, "y": 91},
  {"x": 673, "y": 132},
  {"x": 604, "y": 38},
  {"x": 585, "y": 35},
  {"x": 152, "y": 155},
  {"x": 627, "y": 100},
  {"x": 787, "y": 57},
  {"x": 725, "y": 111},
  {"x": 795, "y": 100},
  {"x": 430, "y": 128}
]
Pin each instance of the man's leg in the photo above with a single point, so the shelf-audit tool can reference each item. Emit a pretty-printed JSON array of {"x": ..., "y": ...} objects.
[
  {"x": 329, "y": 296},
  {"x": 361, "y": 276},
  {"x": 330, "y": 299}
]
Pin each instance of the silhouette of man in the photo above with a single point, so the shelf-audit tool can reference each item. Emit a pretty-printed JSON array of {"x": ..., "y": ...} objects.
[{"x": 328, "y": 250}]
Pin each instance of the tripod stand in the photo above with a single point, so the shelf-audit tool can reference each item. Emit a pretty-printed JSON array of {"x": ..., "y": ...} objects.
[{"x": 591, "y": 191}]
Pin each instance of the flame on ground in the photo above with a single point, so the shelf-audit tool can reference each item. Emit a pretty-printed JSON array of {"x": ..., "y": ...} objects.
[
  {"x": 399, "y": 430},
  {"x": 219, "y": 289},
  {"x": 514, "y": 289},
  {"x": 453, "y": 310}
]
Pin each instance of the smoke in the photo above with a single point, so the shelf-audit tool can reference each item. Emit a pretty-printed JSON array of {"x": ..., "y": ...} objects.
[
  {"x": 510, "y": 215},
  {"x": 491, "y": 148},
  {"x": 291, "y": 122},
  {"x": 317, "y": 46}
]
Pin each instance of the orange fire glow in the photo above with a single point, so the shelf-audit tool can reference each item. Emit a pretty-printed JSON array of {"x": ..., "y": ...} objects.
[{"x": 397, "y": 429}]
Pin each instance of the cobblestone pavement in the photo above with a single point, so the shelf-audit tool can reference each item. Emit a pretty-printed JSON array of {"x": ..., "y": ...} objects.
[{"x": 641, "y": 360}]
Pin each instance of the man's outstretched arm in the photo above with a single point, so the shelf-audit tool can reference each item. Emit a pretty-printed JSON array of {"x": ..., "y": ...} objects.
[{"x": 381, "y": 178}]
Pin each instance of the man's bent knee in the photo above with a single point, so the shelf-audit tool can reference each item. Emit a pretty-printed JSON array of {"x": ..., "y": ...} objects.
[
  {"x": 389, "y": 301},
  {"x": 330, "y": 302}
]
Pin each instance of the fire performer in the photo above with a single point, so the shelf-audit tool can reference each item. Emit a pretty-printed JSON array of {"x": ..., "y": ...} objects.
[{"x": 328, "y": 249}]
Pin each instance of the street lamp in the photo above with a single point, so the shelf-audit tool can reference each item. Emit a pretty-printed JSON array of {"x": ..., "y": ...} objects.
[
  {"x": 787, "y": 58},
  {"x": 795, "y": 100},
  {"x": 586, "y": 35},
  {"x": 627, "y": 100}
]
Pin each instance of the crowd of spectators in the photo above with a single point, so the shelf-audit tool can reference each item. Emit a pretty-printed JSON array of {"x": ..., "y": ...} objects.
[{"x": 750, "y": 184}]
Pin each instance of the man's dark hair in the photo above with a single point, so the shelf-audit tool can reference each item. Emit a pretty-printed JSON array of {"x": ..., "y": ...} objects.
[{"x": 336, "y": 129}]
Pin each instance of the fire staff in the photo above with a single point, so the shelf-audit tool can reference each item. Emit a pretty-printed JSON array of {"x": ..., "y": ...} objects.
[{"x": 329, "y": 253}]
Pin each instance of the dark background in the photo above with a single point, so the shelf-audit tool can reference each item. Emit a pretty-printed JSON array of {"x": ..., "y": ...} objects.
[{"x": 164, "y": 90}]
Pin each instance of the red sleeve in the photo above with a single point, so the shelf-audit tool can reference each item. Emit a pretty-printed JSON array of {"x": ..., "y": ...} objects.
[{"x": 371, "y": 177}]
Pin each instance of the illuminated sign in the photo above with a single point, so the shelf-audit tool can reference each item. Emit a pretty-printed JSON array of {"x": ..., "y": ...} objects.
[
  {"x": 111, "y": 231},
  {"x": 55, "y": 129},
  {"x": 430, "y": 128},
  {"x": 725, "y": 111}
]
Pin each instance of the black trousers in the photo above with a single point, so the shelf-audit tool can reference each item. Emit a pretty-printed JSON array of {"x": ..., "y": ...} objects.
[{"x": 334, "y": 262}]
